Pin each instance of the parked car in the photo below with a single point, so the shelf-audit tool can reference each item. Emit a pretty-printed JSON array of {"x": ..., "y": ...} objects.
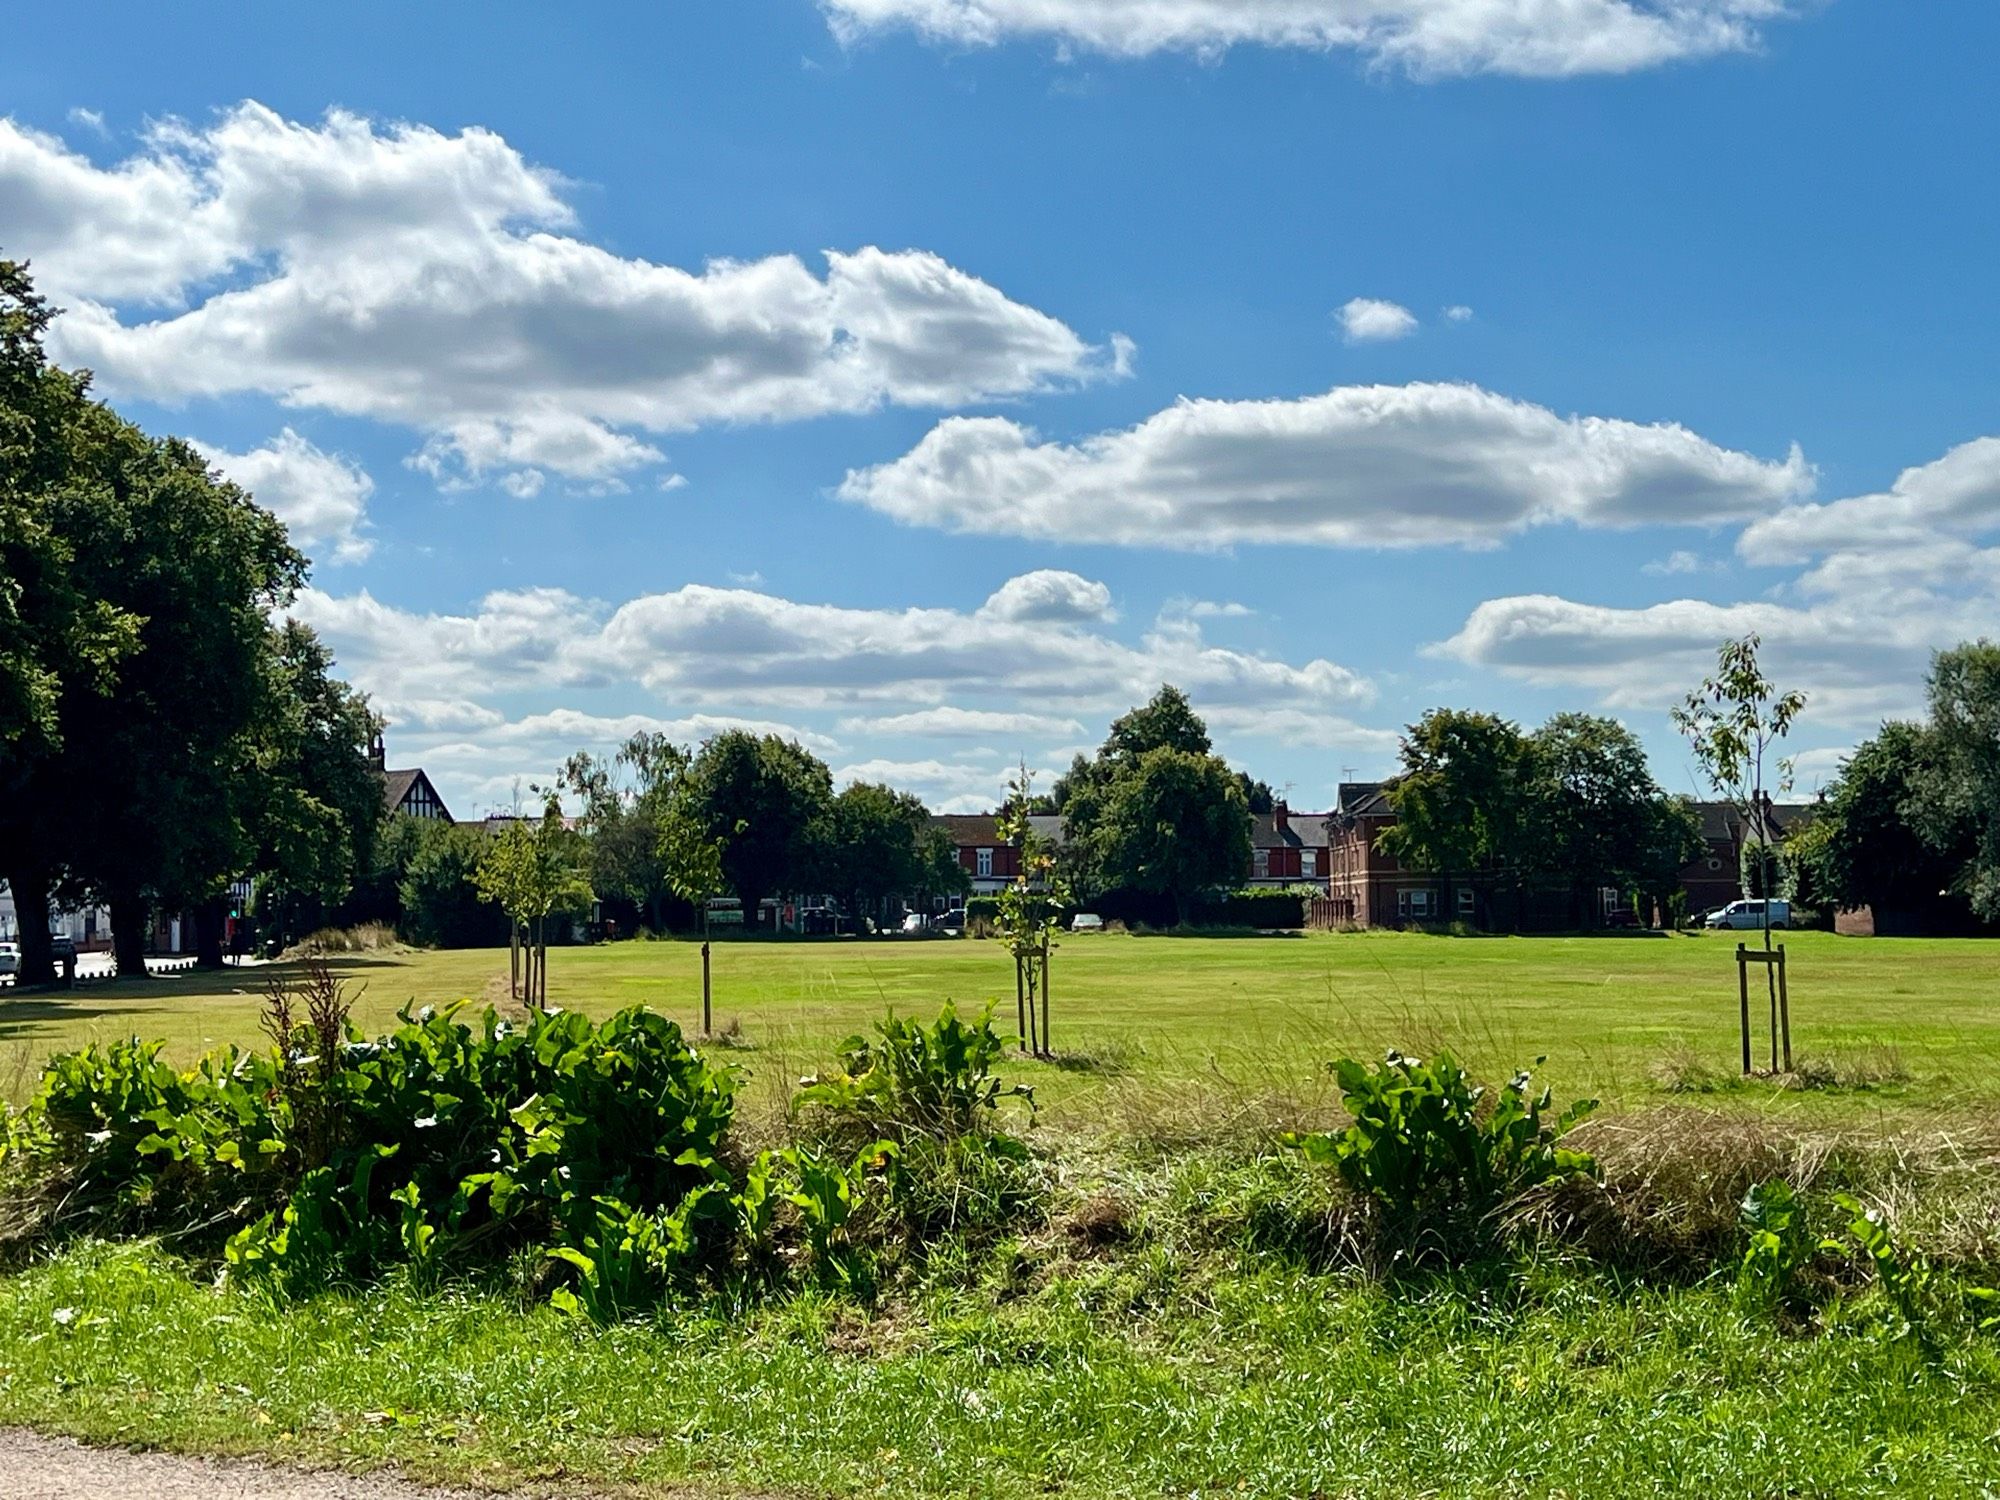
[
  {"x": 1749, "y": 915},
  {"x": 952, "y": 923},
  {"x": 1086, "y": 921},
  {"x": 10, "y": 959},
  {"x": 916, "y": 924},
  {"x": 61, "y": 946}
]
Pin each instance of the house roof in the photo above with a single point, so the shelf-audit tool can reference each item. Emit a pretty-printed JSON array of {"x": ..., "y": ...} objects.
[
  {"x": 1723, "y": 822},
  {"x": 981, "y": 830},
  {"x": 1366, "y": 799},
  {"x": 1302, "y": 831},
  {"x": 396, "y": 786}
]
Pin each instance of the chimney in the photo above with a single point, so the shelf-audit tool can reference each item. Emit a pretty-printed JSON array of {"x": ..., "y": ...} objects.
[
  {"x": 1282, "y": 815},
  {"x": 378, "y": 753}
]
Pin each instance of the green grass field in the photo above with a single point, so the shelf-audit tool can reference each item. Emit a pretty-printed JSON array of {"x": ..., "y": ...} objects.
[
  {"x": 1214, "y": 1345},
  {"x": 1145, "y": 1023}
]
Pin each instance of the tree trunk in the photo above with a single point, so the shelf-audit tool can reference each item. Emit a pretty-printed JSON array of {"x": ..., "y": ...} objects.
[
  {"x": 31, "y": 915},
  {"x": 541, "y": 963},
  {"x": 513, "y": 959},
  {"x": 208, "y": 922},
  {"x": 130, "y": 913}
]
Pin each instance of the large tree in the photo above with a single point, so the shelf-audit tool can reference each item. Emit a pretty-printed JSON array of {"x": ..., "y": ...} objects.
[
  {"x": 317, "y": 799},
  {"x": 1462, "y": 800},
  {"x": 1598, "y": 817},
  {"x": 62, "y": 457},
  {"x": 762, "y": 798},
  {"x": 1175, "y": 822},
  {"x": 1167, "y": 721},
  {"x": 173, "y": 755},
  {"x": 872, "y": 846},
  {"x": 1956, "y": 801}
]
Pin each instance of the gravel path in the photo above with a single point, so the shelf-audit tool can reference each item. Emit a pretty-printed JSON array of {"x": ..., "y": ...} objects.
[{"x": 33, "y": 1467}]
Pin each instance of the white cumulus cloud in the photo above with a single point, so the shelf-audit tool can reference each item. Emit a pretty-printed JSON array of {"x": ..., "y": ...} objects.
[
  {"x": 504, "y": 680},
  {"x": 1361, "y": 466},
  {"x": 1426, "y": 38},
  {"x": 436, "y": 281},
  {"x": 948, "y": 722},
  {"x": 1369, "y": 320},
  {"x": 1882, "y": 582},
  {"x": 321, "y": 497}
]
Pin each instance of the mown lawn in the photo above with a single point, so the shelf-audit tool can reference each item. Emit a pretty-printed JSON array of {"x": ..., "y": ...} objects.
[
  {"x": 1213, "y": 1345},
  {"x": 1198, "y": 1023}
]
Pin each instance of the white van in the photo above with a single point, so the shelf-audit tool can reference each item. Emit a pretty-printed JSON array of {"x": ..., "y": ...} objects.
[{"x": 1749, "y": 915}]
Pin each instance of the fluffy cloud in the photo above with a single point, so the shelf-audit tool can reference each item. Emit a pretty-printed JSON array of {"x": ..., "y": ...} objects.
[
  {"x": 951, "y": 723},
  {"x": 1957, "y": 495},
  {"x": 321, "y": 498},
  {"x": 493, "y": 692},
  {"x": 1531, "y": 38},
  {"x": 951, "y": 786},
  {"x": 1368, "y": 320},
  {"x": 1855, "y": 665},
  {"x": 1049, "y": 594},
  {"x": 706, "y": 646},
  {"x": 425, "y": 279},
  {"x": 1369, "y": 466},
  {"x": 1893, "y": 577}
]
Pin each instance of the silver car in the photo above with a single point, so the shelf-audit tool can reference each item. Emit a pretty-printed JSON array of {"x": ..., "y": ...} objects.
[
  {"x": 1749, "y": 915},
  {"x": 10, "y": 960}
]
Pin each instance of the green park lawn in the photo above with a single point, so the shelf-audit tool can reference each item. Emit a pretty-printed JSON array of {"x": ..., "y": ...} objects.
[
  {"x": 1197, "y": 1024},
  {"x": 1212, "y": 1340}
]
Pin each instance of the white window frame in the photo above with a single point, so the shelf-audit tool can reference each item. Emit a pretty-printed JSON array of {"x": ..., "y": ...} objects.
[
  {"x": 1467, "y": 902},
  {"x": 1309, "y": 864},
  {"x": 1414, "y": 904},
  {"x": 983, "y": 863},
  {"x": 1260, "y": 864}
]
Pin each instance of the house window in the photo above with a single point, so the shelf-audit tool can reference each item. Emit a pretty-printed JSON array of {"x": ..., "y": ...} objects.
[
  {"x": 1414, "y": 905},
  {"x": 984, "y": 863},
  {"x": 1260, "y": 864},
  {"x": 1465, "y": 902},
  {"x": 1309, "y": 863}
]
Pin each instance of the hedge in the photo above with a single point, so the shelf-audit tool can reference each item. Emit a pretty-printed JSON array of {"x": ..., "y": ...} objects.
[{"x": 1247, "y": 908}]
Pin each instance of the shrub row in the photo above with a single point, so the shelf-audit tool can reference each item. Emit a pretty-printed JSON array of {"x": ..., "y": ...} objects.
[
  {"x": 1255, "y": 907},
  {"x": 599, "y": 1162},
  {"x": 601, "y": 1155}
]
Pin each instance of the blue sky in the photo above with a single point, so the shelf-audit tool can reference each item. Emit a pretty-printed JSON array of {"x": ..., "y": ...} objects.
[{"x": 526, "y": 320}]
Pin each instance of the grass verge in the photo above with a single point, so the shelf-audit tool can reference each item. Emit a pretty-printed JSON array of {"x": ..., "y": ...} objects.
[{"x": 1179, "y": 1323}]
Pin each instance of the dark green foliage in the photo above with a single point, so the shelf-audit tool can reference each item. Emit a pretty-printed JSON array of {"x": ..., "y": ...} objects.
[
  {"x": 1174, "y": 822},
  {"x": 929, "y": 1093},
  {"x": 917, "y": 1080},
  {"x": 460, "y": 1142},
  {"x": 135, "y": 1144},
  {"x": 445, "y": 1144},
  {"x": 1777, "y": 1247},
  {"x": 765, "y": 800},
  {"x": 1253, "y": 908},
  {"x": 441, "y": 904},
  {"x": 1433, "y": 1158}
]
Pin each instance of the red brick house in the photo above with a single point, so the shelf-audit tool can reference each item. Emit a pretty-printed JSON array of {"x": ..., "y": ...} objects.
[
  {"x": 990, "y": 862},
  {"x": 1714, "y": 877},
  {"x": 1288, "y": 848},
  {"x": 1368, "y": 888}
]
